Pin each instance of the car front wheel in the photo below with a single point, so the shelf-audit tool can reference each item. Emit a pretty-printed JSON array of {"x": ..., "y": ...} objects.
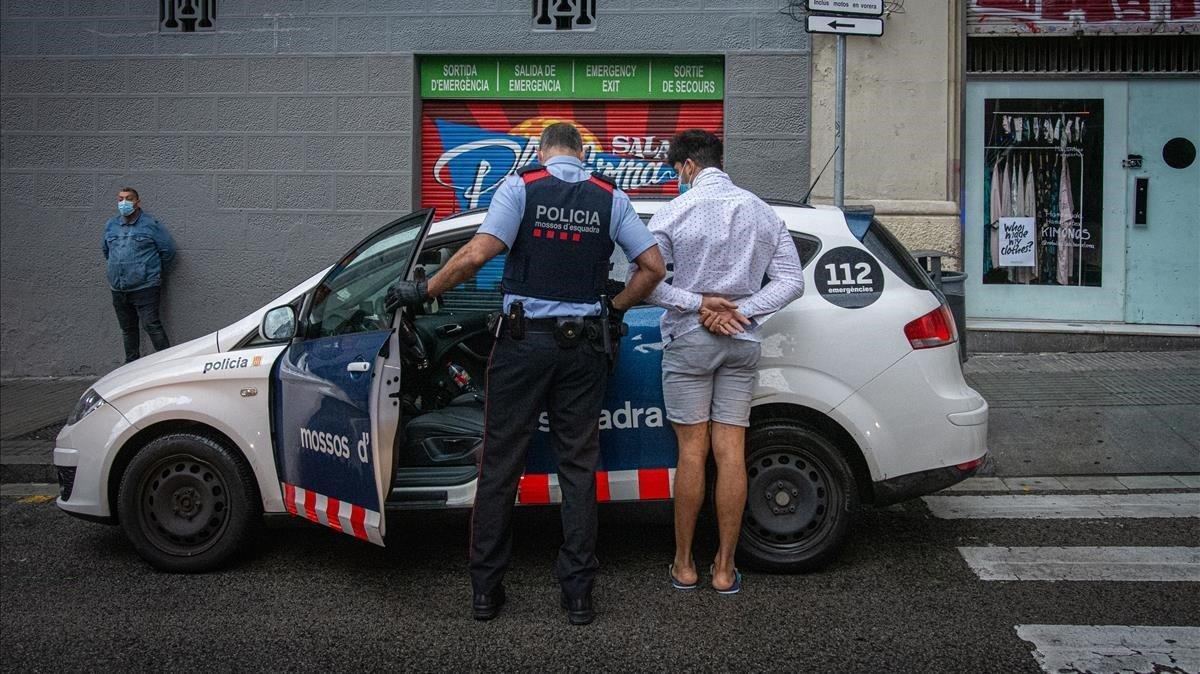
[
  {"x": 800, "y": 494},
  {"x": 188, "y": 503}
]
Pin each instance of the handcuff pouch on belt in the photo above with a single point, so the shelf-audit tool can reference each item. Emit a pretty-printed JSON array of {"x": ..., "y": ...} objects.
[
  {"x": 568, "y": 332},
  {"x": 514, "y": 320}
]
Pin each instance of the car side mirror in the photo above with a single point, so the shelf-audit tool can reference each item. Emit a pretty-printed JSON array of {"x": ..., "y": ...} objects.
[{"x": 278, "y": 324}]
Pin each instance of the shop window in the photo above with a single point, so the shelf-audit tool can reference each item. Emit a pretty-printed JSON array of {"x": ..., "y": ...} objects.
[
  {"x": 187, "y": 16},
  {"x": 560, "y": 15},
  {"x": 1043, "y": 191}
]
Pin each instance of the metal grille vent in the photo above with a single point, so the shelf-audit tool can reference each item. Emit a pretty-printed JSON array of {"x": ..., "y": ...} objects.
[
  {"x": 1161, "y": 54},
  {"x": 66, "y": 481},
  {"x": 187, "y": 16},
  {"x": 555, "y": 15}
]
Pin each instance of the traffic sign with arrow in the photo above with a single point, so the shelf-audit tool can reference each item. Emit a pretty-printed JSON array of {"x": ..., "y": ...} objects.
[
  {"x": 859, "y": 7},
  {"x": 845, "y": 25}
]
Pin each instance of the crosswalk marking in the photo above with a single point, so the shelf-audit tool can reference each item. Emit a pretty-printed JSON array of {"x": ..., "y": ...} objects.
[
  {"x": 1113, "y": 648},
  {"x": 1133, "y": 564},
  {"x": 1077, "y": 506}
]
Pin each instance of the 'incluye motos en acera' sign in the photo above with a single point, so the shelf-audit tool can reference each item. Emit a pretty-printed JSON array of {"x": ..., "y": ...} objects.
[{"x": 573, "y": 77}]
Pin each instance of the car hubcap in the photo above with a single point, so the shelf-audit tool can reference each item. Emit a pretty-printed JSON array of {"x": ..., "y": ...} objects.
[
  {"x": 789, "y": 498},
  {"x": 185, "y": 505}
]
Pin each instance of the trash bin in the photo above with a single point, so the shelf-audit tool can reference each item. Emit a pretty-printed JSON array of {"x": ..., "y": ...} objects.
[
  {"x": 951, "y": 283},
  {"x": 953, "y": 288}
]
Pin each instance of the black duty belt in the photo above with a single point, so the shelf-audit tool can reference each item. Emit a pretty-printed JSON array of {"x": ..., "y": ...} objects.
[{"x": 551, "y": 324}]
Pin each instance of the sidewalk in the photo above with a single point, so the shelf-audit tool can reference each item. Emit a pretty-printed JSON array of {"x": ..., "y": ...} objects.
[
  {"x": 31, "y": 413},
  {"x": 1052, "y": 414},
  {"x": 1091, "y": 413}
]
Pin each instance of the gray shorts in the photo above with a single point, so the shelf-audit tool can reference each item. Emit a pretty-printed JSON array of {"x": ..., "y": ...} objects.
[{"x": 709, "y": 377}]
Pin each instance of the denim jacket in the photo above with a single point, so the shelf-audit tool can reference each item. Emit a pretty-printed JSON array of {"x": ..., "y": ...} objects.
[{"x": 137, "y": 252}]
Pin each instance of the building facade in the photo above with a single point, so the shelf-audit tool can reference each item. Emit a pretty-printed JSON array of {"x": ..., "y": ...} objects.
[
  {"x": 1082, "y": 188},
  {"x": 270, "y": 135},
  {"x": 903, "y": 96}
]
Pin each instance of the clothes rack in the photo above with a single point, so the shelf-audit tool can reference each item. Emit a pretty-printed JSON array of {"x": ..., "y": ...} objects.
[{"x": 1062, "y": 151}]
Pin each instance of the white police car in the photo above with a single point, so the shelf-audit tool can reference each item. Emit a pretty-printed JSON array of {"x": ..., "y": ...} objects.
[{"x": 324, "y": 405}]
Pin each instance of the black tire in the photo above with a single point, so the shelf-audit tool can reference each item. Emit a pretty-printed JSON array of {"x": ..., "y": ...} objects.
[
  {"x": 188, "y": 503},
  {"x": 800, "y": 494}
]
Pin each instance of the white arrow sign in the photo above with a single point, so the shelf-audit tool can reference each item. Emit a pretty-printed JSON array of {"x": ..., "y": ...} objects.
[
  {"x": 845, "y": 25},
  {"x": 862, "y": 7}
]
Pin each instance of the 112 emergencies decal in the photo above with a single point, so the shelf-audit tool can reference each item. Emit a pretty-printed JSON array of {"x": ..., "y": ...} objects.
[{"x": 848, "y": 277}]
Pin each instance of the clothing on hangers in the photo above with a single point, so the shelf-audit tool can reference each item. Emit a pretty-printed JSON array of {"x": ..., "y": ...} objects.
[
  {"x": 994, "y": 213},
  {"x": 1066, "y": 223}
]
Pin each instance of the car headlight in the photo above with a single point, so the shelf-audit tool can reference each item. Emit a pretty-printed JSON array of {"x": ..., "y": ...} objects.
[{"x": 88, "y": 403}]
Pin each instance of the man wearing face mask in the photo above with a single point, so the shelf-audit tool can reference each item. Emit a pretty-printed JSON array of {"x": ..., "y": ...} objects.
[
  {"x": 138, "y": 249},
  {"x": 723, "y": 241}
]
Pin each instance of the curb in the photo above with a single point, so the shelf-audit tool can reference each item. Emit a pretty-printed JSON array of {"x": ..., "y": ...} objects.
[{"x": 27, "y": 472}]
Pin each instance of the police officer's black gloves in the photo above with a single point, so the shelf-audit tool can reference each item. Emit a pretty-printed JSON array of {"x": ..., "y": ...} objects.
[
  {"x": 616, "y": 318},
  {"x": 407, "y": 294}
]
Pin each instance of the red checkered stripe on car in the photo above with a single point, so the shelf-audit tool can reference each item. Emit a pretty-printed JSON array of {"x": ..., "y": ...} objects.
[
  {"x": 644, "y": 484},
  {"x": 341, "y": 516}
]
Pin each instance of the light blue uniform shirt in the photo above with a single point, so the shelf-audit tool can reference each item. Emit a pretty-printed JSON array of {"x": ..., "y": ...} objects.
[{"x": 504, "y": 220}]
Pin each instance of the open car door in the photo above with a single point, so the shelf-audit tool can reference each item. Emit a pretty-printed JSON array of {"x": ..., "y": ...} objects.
[{"x": 333, "y": 438}]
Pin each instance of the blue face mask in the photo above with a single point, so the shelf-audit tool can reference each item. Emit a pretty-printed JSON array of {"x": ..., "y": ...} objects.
[
  {"x": 124, "y": 207},
  {"x": 683, "y": 187}
]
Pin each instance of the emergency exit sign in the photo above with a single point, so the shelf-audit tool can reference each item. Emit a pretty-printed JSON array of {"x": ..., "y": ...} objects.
[{"x": 573, "y": 77}]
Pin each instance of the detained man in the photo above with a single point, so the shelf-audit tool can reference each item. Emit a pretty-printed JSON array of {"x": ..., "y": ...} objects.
[{"x": 722, "y": 241}]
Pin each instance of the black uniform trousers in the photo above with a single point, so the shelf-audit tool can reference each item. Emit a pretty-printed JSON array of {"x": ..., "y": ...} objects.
[{"x": 524, "y": 378}]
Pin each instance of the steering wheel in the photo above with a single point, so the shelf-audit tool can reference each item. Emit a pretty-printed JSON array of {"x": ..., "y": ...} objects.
[{"x": 412, "y": 348}]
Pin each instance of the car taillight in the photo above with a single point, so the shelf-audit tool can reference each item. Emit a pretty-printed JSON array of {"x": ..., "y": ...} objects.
[{"x": 935, "y": 328}]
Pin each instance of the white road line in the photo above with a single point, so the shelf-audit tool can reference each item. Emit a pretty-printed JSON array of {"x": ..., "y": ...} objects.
[
  {"x": 1077, "y": 483},
  {"x": 1133, "y": 564},
  {"x": 1057, "y": 506},
  {"x": 1113, "y": 648}
]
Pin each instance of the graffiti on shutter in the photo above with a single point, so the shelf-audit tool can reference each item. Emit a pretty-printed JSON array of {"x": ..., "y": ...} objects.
[{"x": 470, "y": 147}]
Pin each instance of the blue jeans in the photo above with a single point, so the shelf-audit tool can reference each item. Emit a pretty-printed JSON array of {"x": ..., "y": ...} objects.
[{"x": 132, "y": 307}]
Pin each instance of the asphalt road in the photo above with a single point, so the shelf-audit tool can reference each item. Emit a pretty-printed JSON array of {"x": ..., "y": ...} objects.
[{"x": 75, "y": 597}]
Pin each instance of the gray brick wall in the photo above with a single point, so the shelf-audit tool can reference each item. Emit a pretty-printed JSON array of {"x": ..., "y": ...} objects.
[{"x": 272, "y": 145}]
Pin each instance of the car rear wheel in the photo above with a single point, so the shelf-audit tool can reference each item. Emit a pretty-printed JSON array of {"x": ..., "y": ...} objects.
[
  {"x": 800, "y": 494},
  {"x": 188, "y": 503}
]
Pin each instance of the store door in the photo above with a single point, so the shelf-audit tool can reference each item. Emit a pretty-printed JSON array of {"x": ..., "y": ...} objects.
[
  {"x": 1162, "y": 278},
  {"x": 1044, "y": 208}
]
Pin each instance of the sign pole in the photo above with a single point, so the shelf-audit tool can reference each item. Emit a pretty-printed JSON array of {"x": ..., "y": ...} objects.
[
  {"x": 842, "y": 18},
  {"x": 839, "y": 126}
]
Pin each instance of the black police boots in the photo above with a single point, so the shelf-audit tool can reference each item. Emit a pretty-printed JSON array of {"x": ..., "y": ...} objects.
[
  {"x": 487, "y": 605},
  {"x": 579, "y": 611}
]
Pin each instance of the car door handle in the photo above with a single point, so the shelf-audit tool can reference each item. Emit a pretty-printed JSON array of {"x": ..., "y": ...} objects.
[
  {"x": 358, "y": 366},
  {"x": 452, "y": 329}
]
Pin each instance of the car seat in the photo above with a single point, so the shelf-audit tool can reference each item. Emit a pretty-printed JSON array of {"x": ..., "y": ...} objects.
[{"x": 450, "y": 436}]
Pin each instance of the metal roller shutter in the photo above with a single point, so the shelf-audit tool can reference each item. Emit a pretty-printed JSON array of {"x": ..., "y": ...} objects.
[
  {"x": 469, "y": 147},
  {"x": 1083, "y": 17}
]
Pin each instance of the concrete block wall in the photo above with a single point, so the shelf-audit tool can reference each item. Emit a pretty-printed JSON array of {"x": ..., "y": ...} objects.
[{"x": 273, "y": 144}]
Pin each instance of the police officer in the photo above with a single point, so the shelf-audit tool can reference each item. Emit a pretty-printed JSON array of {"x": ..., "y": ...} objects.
[{"x": 559, "y": 223}]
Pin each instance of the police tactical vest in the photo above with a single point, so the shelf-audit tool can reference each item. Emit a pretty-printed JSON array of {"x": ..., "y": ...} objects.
[{"x": 563, "y": 244}]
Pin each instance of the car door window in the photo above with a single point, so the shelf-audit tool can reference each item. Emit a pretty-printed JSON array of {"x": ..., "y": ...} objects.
[
  {"x": 807, "y": 247},
  {"x": 351, "y": 298},
  {"x": 481, "y": 293}
]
